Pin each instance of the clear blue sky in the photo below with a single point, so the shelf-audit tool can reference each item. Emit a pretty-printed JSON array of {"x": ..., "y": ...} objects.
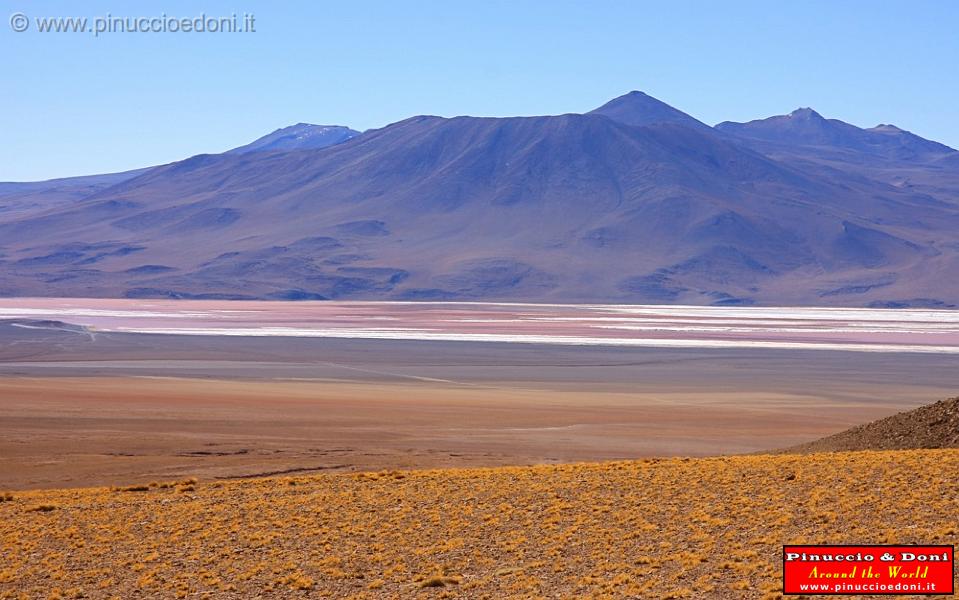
[{"x": 75, "y": 104}]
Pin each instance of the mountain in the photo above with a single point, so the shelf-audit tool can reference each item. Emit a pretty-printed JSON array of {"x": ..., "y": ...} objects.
[
  {"x": 805, "y": 127},
  {"x": 302, "y": 136},
  {"x": 638, "y": 108},
  {"x": 885, "y": 154},
  {"x": 628, "y": 203}
]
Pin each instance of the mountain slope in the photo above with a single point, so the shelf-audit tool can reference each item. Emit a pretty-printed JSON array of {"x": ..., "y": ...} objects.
[
  {"x": 24, "y": 197},
  {"x": 582, "y": 208}
]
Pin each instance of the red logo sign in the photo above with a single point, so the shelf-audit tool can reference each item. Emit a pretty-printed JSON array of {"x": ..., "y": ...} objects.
[{"x": 855, "y": 570}]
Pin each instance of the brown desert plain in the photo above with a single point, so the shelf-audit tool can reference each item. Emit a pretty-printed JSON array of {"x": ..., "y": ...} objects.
[{"x": 411, "y": 463}]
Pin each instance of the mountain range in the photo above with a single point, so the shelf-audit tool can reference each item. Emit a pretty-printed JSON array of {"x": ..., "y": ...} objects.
[{"x": 633, "y": 202}]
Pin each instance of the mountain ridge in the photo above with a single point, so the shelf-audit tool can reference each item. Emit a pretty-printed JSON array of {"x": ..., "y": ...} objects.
[
  {"x": 805, "y": 126},
  {"x": 632, "y": 202}
]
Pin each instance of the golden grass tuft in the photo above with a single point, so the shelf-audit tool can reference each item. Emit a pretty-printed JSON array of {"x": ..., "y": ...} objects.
[
  {"x": 184, "y": 485},
  {"x": 132, "y": 488}
]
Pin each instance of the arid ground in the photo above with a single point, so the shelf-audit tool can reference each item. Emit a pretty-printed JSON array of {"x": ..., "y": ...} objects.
[{"x": 705, "y": 528}]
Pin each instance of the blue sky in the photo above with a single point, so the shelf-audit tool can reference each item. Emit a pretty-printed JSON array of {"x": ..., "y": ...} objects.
[{"x": 77, "y": 104}]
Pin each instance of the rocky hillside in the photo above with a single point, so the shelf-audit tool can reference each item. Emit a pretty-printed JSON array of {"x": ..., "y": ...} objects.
[{"x": 931, "y": 426}]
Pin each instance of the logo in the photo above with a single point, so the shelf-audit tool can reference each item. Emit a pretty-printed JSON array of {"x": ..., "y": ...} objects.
[{"x": 879, "y": 570}]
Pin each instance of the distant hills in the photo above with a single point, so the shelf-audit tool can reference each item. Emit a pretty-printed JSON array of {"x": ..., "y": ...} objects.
[{"x": 634, "y": 202}]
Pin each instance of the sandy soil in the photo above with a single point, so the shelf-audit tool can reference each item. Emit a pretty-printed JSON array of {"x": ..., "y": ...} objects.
[{"x": 95, "y": 430}]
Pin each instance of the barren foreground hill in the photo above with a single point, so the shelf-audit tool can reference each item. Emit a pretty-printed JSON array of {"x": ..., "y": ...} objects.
[
  {"x": 677, "y": 528},
  {"x": 931, "y": 426}
]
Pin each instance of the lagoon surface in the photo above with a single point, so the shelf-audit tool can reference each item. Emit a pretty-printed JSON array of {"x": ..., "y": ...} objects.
[{"x": 851, "y": 329}]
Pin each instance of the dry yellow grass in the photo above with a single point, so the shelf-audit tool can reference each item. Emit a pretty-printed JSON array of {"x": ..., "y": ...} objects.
[{"x": 703, "y": 528}]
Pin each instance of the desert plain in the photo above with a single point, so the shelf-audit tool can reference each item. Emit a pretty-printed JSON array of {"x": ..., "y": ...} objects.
[{"x": 101, "y": 392}]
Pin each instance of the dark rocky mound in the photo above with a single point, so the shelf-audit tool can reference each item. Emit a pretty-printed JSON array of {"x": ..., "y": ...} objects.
[{"x": 931, "y": 426}]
